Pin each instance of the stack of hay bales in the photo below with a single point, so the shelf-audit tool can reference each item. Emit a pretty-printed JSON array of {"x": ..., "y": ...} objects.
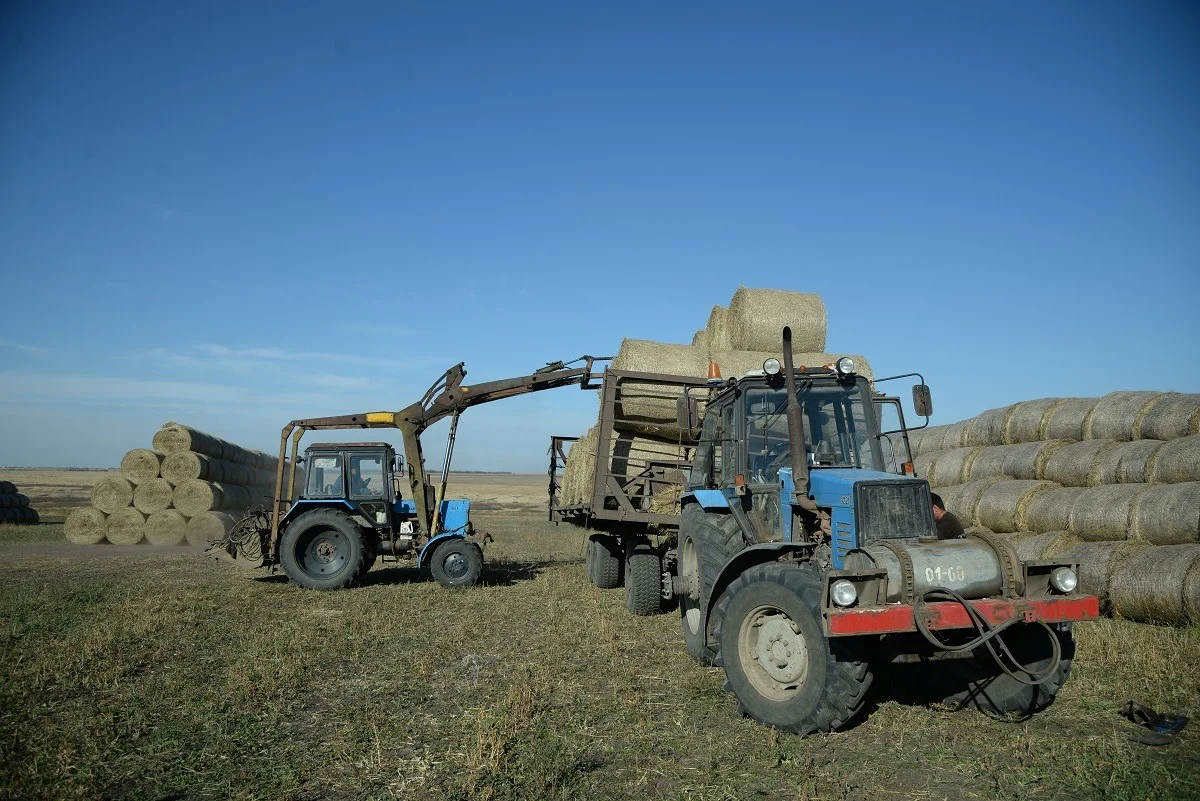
[
  {"x": 1113, "y": 482},
  {"x": 738, "y": 338},
  {"x": 14, "y": 507},
  {"x": 188, "y": 487}
]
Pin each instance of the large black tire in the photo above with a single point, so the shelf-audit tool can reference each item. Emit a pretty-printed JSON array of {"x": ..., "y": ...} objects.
[
  {"x": 456, "y": 563},
  {"x": 979, "y": 683},
  {"x": 608, "y": 561},
  {"x": 324, "y": 550},
  {"x": 784, "y": 671},
  {"x": 643, "y": 578},
  {"x": 706, "y": 543}
]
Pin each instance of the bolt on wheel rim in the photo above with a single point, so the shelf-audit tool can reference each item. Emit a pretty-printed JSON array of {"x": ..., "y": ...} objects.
[{"x": 774, "y": 653}]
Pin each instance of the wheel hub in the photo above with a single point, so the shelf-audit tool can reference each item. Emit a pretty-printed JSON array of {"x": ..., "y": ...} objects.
[
  {"x": 781, "y": 651},
  {"x": 325, "y": 551},
  {"x": 455, "y": 565}
]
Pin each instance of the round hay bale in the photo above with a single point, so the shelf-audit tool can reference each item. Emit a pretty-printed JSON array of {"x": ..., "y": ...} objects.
[
  {"x": 86, "y": 525},
  {"x": 153, "y": 496},
  {"x": 580, "y": 472},
  {"x": 1051, "y": 510},
  {"x": 1168, "y": 514},
  {"x": 195, "y": 496},
  {"x": 1030, "y": 547},
  {"x": 952, "y": 467},
  {"x": 926, "y": 440},
  {"x": 141, "y": 464},
  {"x": 737, "y": 363},
  {"x": 1097, "y": 561},
  {"x": 717, "y": 329},
  {"x": 963, "y": 499},
  {"x": 7, "y": 488},
  {"x": 1117, "y": 414},
  {"x": 173, "y": 437},
  {"x": 1106, "y": 512},
  {"x": 700, "y": 340},
  {"x": 1176, "y": 461},
  {"x": 126, "y": 527},
  {"x": 1073, "y": 465},
  {"x": 166, "y": 527},
  {"x": 1060, "y": 545},
  {"x": 756, "y": 318},
  {"x": 1191, "y": 593},
  {"x": 1174, "y": 415},
  {"x": 954, "y": 435},
  {"x": 182, "y": 465},
  {"x": 14, "y": 501},
  {"x": 31, "y": 515},
  {"x": 209, "y": 527},
  {"x": 1002, "y": 506},
  {"x": 989, "y": 463},
  {"x": 1028, "y": 459},
  {"x": 647, "y": 406},
  {"x": 1125, "y": 462},
  {"x": 1024, "y": 421},
  {"x": 1065, "y": 419},
  {"x": 987, "y": 428},
  {"x": 111, "y": 494},
  {"x": 923, "y": 464},
  {"x": 1149, "y": 586}
]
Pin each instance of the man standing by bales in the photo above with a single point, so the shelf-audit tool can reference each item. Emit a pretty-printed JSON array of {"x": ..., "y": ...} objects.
[{"x": 948, "y": 527}]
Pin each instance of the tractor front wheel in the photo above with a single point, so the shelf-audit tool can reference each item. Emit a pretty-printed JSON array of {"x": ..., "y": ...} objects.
[
  {"x": 323, "y": 550},
  {"x": 456, "y": 563},
  {"x": 981, "y": 684}
]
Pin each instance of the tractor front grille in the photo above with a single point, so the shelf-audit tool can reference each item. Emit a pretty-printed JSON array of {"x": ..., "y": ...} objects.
[{"x": 893, "y": 510}]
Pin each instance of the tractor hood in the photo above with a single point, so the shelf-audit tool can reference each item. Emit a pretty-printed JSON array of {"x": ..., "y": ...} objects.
[{"x": 829, "y": 482}]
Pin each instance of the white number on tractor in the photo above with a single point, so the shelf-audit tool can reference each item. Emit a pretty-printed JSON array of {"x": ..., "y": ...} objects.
[{"x": 952, "y": 573}]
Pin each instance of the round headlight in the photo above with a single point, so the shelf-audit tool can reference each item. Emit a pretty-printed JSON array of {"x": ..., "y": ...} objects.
[
  {"x": 1064, "y": 580},
  {"x": 845, "y": 365},
  {"x": 771, "y": 367},
  {"x": 844, "y": 593}
]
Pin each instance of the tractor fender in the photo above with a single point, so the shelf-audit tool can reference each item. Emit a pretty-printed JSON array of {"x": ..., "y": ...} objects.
[
  {"x": 431, "y": 546},
  {"x": 738, "y": 564},
  {"x": 300, "y": 507}
]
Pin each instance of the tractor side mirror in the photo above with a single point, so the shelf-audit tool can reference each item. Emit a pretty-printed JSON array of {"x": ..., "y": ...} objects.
[
  {"x": 922, "y": 400},
  {"x": 687, "y": 414}
]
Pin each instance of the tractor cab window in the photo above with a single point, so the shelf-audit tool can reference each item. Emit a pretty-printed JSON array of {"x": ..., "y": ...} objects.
[
  {"x": 366, "y": 476},
  {"x": 325, "y": 476},
  {"x": 838, "y": 429}
]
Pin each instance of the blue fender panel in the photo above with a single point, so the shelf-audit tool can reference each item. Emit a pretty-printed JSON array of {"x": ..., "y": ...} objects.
[{"x": 708, "y": 498}]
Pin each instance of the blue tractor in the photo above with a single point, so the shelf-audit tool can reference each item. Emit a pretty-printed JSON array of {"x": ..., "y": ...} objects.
[{"x": 802, "y": 568}]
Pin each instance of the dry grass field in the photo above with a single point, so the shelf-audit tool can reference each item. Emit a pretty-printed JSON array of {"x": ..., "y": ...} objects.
[{"x": 144, "y": 673}]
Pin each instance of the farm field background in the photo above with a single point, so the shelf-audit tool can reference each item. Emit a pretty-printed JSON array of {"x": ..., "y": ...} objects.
[{"x": 161, "y": 673}]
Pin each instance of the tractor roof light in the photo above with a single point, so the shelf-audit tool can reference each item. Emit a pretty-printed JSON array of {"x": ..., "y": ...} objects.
[
  {"x": 845, "y": 366},
  {"x": 771, "y": 366},
  {"x": 843, "y": 593},
  {"x": 1064, "y": 580}
]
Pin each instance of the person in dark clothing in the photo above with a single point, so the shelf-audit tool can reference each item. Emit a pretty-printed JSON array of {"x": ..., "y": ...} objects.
[{"x": 948, "y": 527}]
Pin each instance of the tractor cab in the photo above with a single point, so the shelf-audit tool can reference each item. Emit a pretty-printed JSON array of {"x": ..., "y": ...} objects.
[{"x": 354, "y": 475}]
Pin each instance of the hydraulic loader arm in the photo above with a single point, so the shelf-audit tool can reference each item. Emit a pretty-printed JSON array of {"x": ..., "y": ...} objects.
[{"x": 447, "y": 396}]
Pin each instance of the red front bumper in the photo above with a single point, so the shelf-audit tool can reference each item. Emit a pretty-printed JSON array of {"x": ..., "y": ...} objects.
[{"x": 896, "y": 618}]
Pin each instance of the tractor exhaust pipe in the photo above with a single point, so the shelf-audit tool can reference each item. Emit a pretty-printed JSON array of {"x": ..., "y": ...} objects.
[{"x": 795, "y": 419}]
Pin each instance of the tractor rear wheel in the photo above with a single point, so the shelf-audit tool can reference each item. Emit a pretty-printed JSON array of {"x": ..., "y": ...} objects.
[
  {"x": 778, "y": 662},
  {"x": 324, "y": 550},
  {"x": 979, "y": 682},
  {"x": 456, "y": 563},
  {"x": 643, "y": 578},
  {"x": 607, "y": 564}
]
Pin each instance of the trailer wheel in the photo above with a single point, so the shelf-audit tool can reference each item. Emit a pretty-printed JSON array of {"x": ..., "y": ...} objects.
[
  {"x": 784, "y": 671},
  {"x": 981, "y": 684},
  {"x": 706, "y": 542},
  {"x": 324, "y": 550},
  {"x": 456, "y": 563},
  {"x": 607, "y": 565},
  {"x": 643, "y": 578}
]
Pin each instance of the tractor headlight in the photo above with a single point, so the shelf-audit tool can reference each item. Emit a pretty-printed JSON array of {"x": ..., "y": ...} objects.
[
  {"x": 844, "y": 593},
  {"x": 1064, "y": 580},
  {"x": 845, "y": 365},
  {"x": 771, "y": 366}
]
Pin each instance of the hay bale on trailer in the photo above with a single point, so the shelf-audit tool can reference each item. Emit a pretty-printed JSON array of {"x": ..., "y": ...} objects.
[
  {"x": 1002, "y": 506},
  {"x": 111, "y": 494},
  {"x": 209, "y": 527},
  {"x": 1051, "y": 510},
  {"x": 1066, "y": 418},
  {"x": 1168, "y": 514},
  {"x": 1150, "y": 586},
  {"x": 126, "y": 527},
  {"x": 1024, "y": 422},
  {"x": 1105, "y": 512},
  {"x": 1174, "y": 415},
  {"x": 1125, "y": 462},
  {"x": 141, "y": 464},
  {"x": 1176, "y": 461},
  {"x": 1117, "y": 414},
  {"x": 651, "y": 408},
  {"x": 1098, "y": 561},
  {"x": 86, "y": 525},
  {"x": 153, "y": 495},
  {"x": 166, "y": 527},
  {"x": 1074, "y": 464},
  {"x": 717, "y": 329},
  {"x": 756, "y": 319}
]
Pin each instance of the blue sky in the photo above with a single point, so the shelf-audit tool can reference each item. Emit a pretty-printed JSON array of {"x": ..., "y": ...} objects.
[{"x": 232, "y": 215}]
